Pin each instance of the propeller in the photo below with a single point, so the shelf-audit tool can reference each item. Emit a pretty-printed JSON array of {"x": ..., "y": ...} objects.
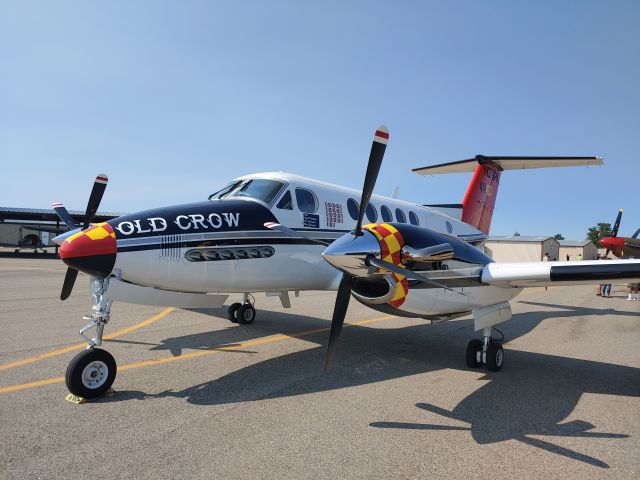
[
  {"x": 378, "y": 147},
  {"x": 616, "y": 226},
  {"x": 376, "y": 155},
  {"x": 337, "y": 320},
  {"x": 69, "y": 281},
  {"x": 99, "y": 186},
  {"x": 63, "y": 214}
]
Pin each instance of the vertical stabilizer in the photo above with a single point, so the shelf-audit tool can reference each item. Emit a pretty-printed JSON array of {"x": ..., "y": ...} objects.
[{"x": 480, "y": 199}]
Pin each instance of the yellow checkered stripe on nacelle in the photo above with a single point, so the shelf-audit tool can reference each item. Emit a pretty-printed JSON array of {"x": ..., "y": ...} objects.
[{"x": 391, "y": 243}]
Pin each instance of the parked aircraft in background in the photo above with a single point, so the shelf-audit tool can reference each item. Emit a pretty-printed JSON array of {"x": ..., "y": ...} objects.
[
  {"x": 269, "y": 233},
  {"x": 32, "y": 241},
  {"x": 622, "y": 247}
]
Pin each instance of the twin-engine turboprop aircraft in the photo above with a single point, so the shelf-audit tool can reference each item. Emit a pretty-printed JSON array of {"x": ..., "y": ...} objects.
[{"x": 278, "y": 233}]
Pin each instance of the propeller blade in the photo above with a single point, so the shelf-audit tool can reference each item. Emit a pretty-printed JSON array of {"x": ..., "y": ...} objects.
[
  {"x": 378, "y": 147},
  {"x": 339, "y": 312},
  {"x": 616, "y": 225},
  {"x": 94, "y": 199},
  {"x": 407, "y": 273},
  {"x": 62, "y": 212},
  {"x": 290, "y": 231},
  {"x": 69, "y": 280}
]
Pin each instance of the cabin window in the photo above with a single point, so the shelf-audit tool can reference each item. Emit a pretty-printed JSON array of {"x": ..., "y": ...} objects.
[
  {"x": 354, "y": 209},
  {"x": 261, "y": 189},
  {"x": 225, "y": 190},
  {"x": 386, "y": 214},
  {"x": 306, "y": 200},
  {"x": 285, "y": 202},
  {"x": 372, "y": 213},
  {"x": 400, "y": 216},
  {"x": 413, "y": 219}
]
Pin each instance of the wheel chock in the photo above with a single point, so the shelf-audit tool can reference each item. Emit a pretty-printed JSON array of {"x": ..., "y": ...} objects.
[{"x": 80, "y": 400}]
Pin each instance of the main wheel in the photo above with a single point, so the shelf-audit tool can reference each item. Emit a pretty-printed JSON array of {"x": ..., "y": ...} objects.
[
  {"x": 233, "y": 312},
  {"x": 246, "y": 314},
  {"x": 495, "y": 356},
  {"x": 472, "y": 353},
  {"x": 91, "y": 373}
]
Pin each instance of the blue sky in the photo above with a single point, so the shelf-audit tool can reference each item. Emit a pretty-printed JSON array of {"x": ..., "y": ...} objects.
[{"x": 172, "y": 99}]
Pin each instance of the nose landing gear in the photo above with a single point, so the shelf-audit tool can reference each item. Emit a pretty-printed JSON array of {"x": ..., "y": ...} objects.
[{"x": 91, "y": 373}]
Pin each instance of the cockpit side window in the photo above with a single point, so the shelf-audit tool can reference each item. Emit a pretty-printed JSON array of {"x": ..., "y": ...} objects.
[
  {"x": 306, "y": 200},
  {"x": 261, "y": 189},
  {"x": 285, "y": 202},
  {"x": 223, "y": 192}
]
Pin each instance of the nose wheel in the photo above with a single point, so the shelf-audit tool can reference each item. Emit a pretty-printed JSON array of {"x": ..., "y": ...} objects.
[{"x": 91, "y": 373}]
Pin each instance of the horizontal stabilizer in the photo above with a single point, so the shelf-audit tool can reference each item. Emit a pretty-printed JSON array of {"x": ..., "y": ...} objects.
[
  {"x": 542, "y": 274},
  {"x": 507, "y": 163}
]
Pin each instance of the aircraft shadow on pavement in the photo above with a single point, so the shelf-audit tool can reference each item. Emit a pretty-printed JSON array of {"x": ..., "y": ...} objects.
[{"x": 532, "y": 395}]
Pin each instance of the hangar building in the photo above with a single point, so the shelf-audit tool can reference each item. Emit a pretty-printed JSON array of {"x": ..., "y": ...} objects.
[
  {"x": 574, "y": 248},
  {"x": 522, "y": 249}
]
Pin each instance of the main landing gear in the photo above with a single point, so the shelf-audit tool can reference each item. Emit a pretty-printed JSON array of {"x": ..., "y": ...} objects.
[
  {"x": 91, "y": 373},
  {"x": 487, "y": 351},
  {"x": 244, "y": 312}
]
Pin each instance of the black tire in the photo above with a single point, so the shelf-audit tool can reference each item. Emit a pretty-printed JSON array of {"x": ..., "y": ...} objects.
[
  {"x": 232, "y": 312},
  {"x": 472, "y": 349},
  {"x": 91, "y": 373},
  {"x": 495, "y": 357},
  {"x": 246, "y": 314}
]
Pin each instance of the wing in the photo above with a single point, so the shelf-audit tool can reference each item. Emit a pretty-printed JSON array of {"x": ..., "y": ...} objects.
[{"x": 541, "y": 274}]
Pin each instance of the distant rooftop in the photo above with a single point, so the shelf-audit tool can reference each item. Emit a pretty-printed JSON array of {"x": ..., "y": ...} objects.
[{"x": 574, "y": 243}]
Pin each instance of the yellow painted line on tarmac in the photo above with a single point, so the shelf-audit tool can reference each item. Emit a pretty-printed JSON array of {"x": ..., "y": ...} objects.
[
  {"x": 80, "y": 346},
  {"x": 202, "y": 353}
]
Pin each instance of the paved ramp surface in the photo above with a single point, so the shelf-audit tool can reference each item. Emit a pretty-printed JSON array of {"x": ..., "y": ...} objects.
[{"x": 200, "y": 397}]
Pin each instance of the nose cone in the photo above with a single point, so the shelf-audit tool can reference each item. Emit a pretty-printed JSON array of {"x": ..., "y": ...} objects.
[
  {"x": 613, "y": 243},
  {"x": 349, "y": 252},
  {"x": 92, "y": 251}
]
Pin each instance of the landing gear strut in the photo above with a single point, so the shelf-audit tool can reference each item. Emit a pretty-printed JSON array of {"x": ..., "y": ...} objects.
[
  {"x": 244, "y": 312},
  {"x": 91, "y": 373},
  {"x": 486, "y": 351}
]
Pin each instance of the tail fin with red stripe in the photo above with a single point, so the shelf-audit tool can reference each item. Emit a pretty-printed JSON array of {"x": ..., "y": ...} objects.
[{"x": 480, "y": 199}]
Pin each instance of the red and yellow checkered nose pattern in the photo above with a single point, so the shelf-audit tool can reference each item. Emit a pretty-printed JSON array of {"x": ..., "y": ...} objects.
[
  {"x": 92, "y": 251},
  {"x": 391, "y": 243},
  {"x": 98, "y": 239}
]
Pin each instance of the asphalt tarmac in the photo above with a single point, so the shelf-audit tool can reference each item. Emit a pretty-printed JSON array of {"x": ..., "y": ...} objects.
[{"x": 200, "y": 397}]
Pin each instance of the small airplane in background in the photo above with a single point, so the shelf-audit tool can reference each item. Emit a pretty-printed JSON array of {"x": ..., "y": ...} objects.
[
  {"x": 32, "y": 241},
  {"x": 279, "y": 233},
  {"x": 621, "y": 247}
]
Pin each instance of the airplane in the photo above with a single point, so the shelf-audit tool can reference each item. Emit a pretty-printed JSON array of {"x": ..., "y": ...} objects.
[
  {"x": 32, "y": 241},
  {"x": 277, "y": 233},
  {"x": 622, "y": 247}
]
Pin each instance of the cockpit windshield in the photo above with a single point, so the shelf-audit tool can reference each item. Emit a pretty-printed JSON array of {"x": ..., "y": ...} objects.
[
  {"x": 225, "y": 190},
  {"x": 259, "y": 188}
]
